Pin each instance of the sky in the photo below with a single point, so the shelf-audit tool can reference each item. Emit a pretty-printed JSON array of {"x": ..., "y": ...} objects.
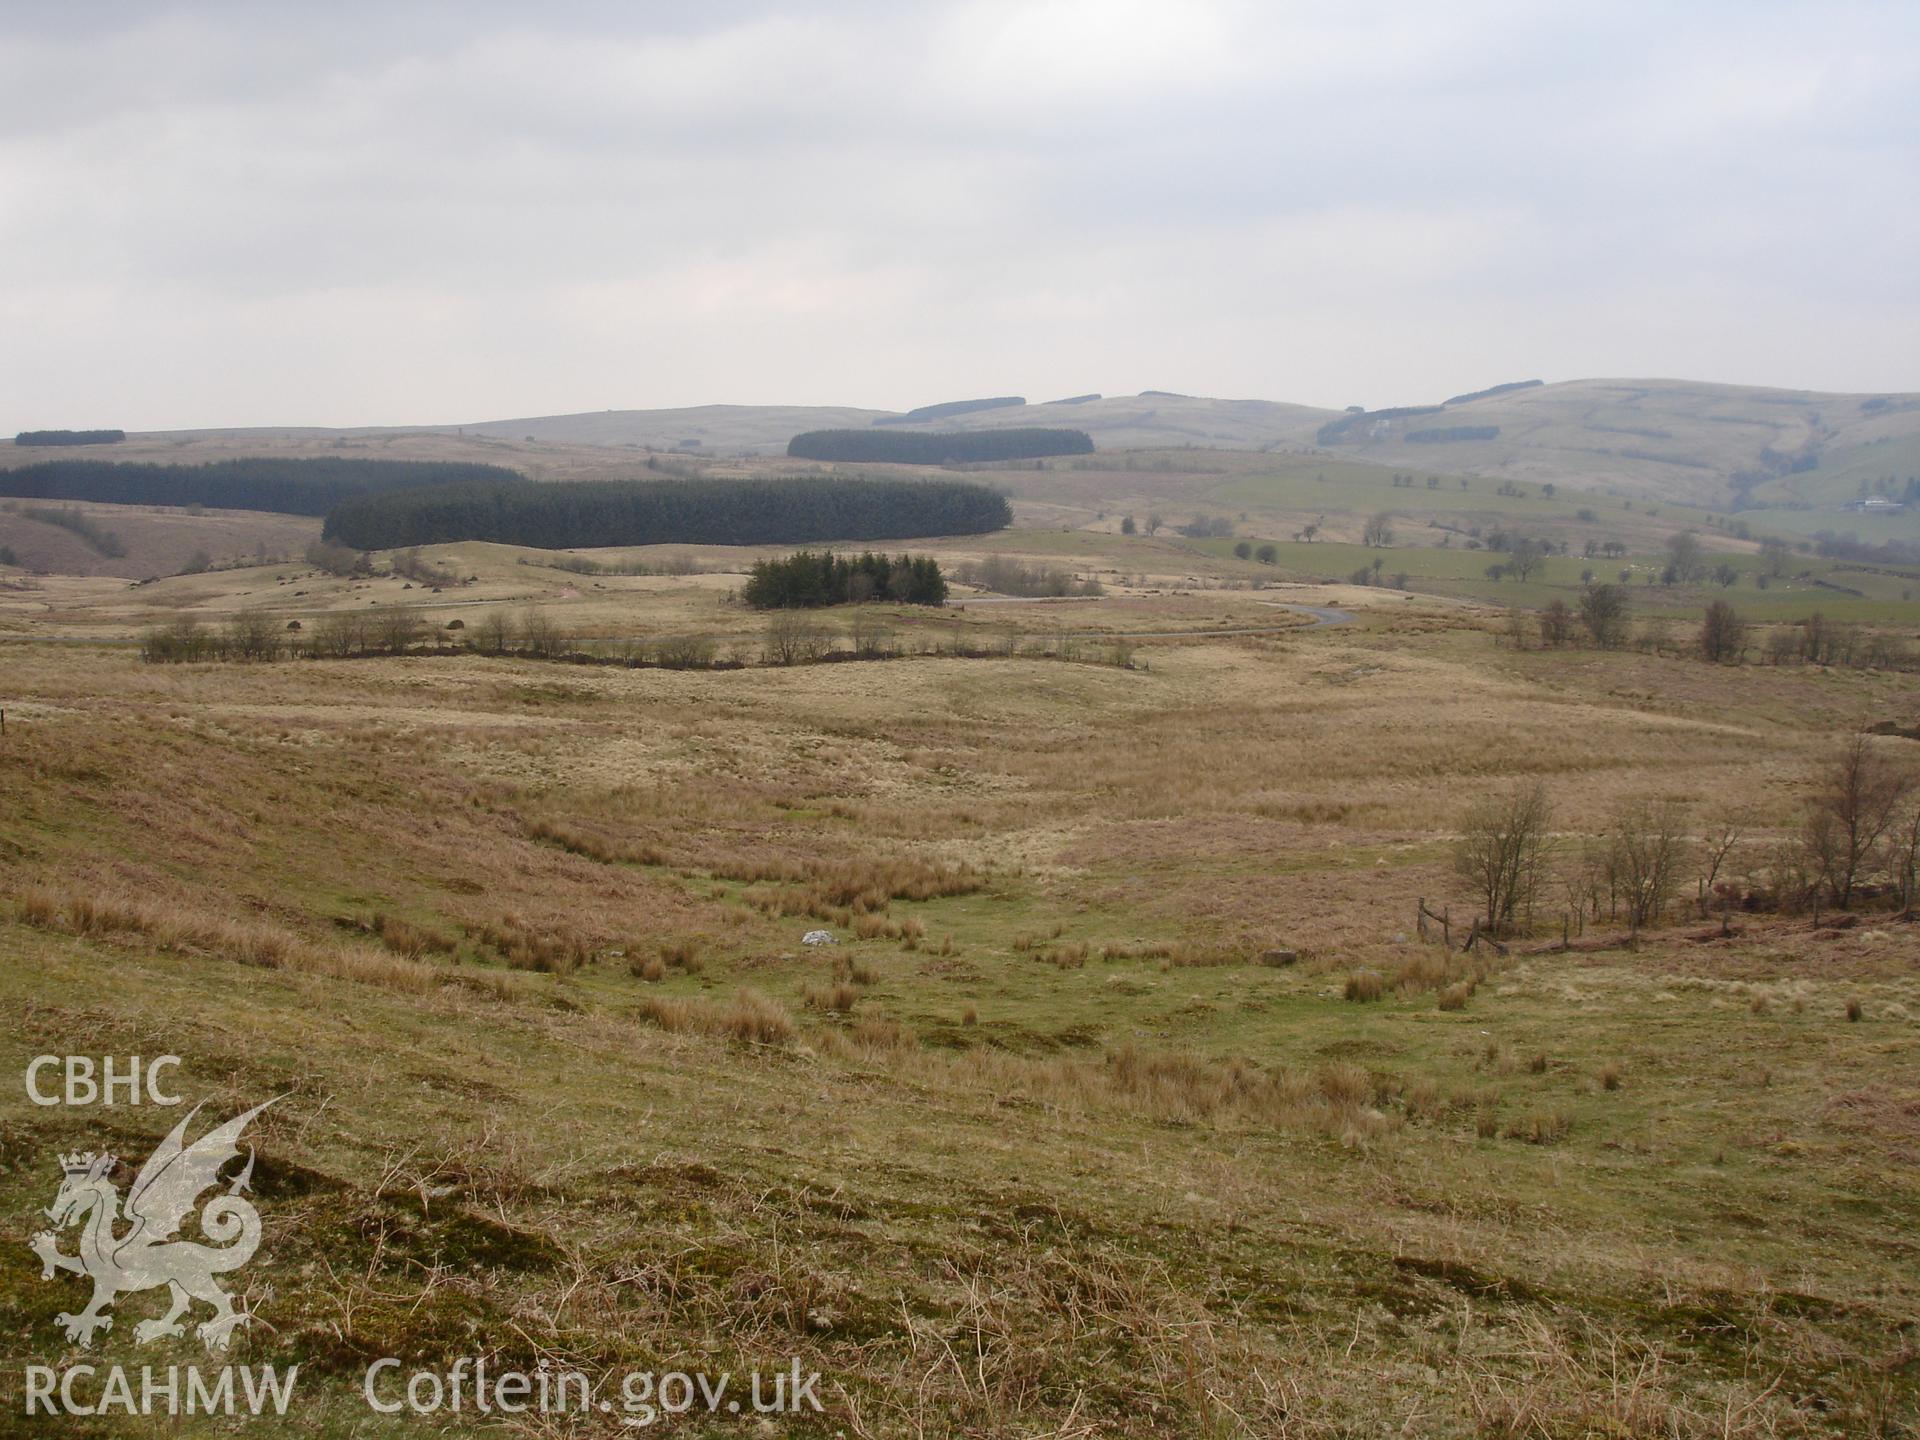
[{"x": 393, "y": 213}]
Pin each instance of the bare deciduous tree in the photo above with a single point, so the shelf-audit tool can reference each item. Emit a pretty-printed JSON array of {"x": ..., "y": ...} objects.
[
  {"x": 1503, "y": 851},
  {"x": 793, "y": 637},
  {"x": 398, "y": 630},
  {"x": 491, "y": 632},
  {"x": 1859, "y": 795},
  {"x": 1724, "y": 831},
  {"x": 1687, "y": 556},
  {"x": 869, "y": 633},
  {"x": 1723, "y": 634},
  {"x": 1646, "y": 847},
  {"x": 1603, "y": 610},
  {"x": 538, "y": 634},
  {"x": 1556, "y": 624},
  {"x": 252, "y": 635}
]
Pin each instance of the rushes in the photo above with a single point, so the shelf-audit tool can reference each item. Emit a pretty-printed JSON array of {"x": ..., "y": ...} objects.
[
  {"x": 553, "y": 949},
  {"x": 403, "y": 937},
  {"x": 750, "y": 1018},
  {"x": 840, "y": 997}
]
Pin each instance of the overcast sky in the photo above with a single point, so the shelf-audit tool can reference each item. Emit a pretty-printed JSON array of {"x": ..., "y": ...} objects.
[{"x": 340, "y": 214}]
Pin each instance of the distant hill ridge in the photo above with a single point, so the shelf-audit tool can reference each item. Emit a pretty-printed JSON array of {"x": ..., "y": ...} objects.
[{"x": 1685, "y": 440}]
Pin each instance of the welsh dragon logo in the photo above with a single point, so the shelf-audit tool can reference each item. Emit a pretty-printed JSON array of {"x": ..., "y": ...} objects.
[{"x": 145, "y": 1254}]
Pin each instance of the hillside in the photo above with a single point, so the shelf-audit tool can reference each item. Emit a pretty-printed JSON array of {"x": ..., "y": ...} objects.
[
  {"x": 1802, "y": 459},
  {"x": 1131, "y": 1100},
  {"x": 151, "y": 541},
  {"x": 1673, "y": 439}
]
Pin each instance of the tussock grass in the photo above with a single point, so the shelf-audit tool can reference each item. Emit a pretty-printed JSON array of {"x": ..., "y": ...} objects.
[
  {"x": 593, "y": 844},
  {"x": 550, "y": 949},
  {"x": 404, "y": 937},
  {"x": 854, "y": 969},
  {"x": 684, "y": 953},
  {"x": 1540, "y": 1127},
  {"x": 173, "y": 926},
  {"x": 748, "y": 1018},
  {"x": 1365, "y": 986},
  {"x": 839, "y": 998}
]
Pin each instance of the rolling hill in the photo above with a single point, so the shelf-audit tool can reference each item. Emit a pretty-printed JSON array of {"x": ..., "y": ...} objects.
[{"x": 1802, "y": 456}]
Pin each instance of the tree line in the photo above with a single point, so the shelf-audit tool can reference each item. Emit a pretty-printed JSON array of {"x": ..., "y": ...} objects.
[
  {"x": 566, "y": 514},
  {"x": 807, "y": 580},
  {"x": 69, "y": 437},
  {"x": 791, "y": 637},
  {"x": 281, "y": 486},
  {"x": 1858, "y": 840},
  {"x": 1603, "y": 616},
  {"x": 940, "y": 447}
]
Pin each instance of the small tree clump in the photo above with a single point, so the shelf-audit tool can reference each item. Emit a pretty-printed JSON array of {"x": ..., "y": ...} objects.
[{"x": 1503, "y": 851}]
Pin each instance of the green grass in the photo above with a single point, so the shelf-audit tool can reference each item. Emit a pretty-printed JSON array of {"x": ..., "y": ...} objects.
[{"x": 1096, "y": 1205}]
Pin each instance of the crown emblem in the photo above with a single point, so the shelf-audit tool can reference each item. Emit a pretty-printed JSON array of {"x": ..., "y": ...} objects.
[{"x": 86, "y": 1162}]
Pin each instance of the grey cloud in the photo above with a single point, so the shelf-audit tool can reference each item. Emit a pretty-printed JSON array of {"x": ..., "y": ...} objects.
[{"x": 880, "y": 204}]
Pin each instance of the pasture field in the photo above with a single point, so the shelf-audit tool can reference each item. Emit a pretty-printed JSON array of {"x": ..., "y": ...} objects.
[{"x": 1042, "y": 1146}]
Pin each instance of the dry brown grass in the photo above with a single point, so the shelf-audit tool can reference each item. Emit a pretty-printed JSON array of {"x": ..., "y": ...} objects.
[
  {"x": 553, "y": 949},
  {"x": 1365, "y": 986},
  {"x": 173, "y": 926},
  {"x": 839, "y": 998},
  {"x": 855, "y": 969},
  {"x": 684, "y": 953},
  {"x": 404, "y": 937},
  {"x": 749, "y": 1018},
  {"x": 1539, "y": 1127}
]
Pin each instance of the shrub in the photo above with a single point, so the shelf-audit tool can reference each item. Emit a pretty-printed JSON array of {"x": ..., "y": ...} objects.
[
  {"x": 1365, "y": 986},
  {"x": 1605, "y": 610},
  {"x": 1723, "y": 634}
]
